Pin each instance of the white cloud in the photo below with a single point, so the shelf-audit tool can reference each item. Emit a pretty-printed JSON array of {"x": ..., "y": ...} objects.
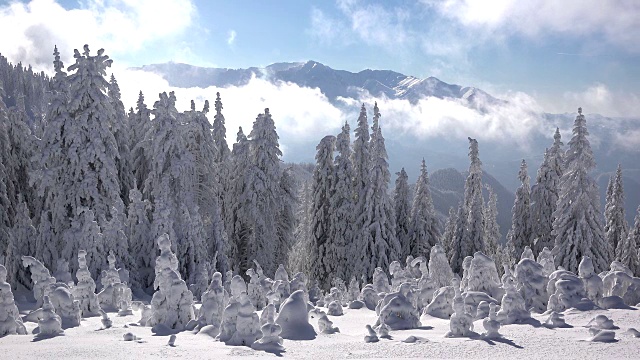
[
  {"x": 598, "y": 98},
  {"x": 326, "y": 29},
  {"x": 231, "y": 38},
  {"x": 121, "y": 27},
  {"x": 617, "y": 22}
]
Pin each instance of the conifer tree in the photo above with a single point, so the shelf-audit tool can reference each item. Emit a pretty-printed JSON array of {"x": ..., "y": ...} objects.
[
  {"x": 141, "y": 126},
  {"x": 121, "y": 132},
  {"x": 84, "y": 233},
  {"x": 544, "y": 197},
  {"x": 236, "y": 216},
  {"x": 263, "y": 204},
  {"x": 138, "y": 230},
  {"x": 360, "y": 249},
  {"x": 341, "y": 227},
  {"x": 460, "y": 237},
  {"x": 577, "y": 226},
  {"x": 491, "y": 227},
  {"x": 286, "y": 216},
  {"x": 220, "y": 133},
  {"x": 5, "y": 206},
  {"x": 23, "y": 239},
  {"x": 616, "y": 227},
  {"x": 46, "y": 246},
  {"x": 402, "y": 203},
  {"x": 628, "y": 246},
  {"x": 323, "y": 182},
  {"x": 424, "y": 229},
  {"x": 449, "y": 231},
  {"x": 521, "y": 232}
]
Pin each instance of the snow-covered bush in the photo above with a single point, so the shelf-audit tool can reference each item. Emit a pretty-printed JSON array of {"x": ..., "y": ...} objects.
[
  {"x": 545, "y": 258},
  {"x": 335, "y": 308},
  {"x": 397, "y": 312},
  {"x": 381, "y": 281},
  {"x": 491, "y": 324},
  {"x": 172, "y": 303},
  {"x": 568, "y": 291},
  {"x": 592, "y": 282},
  {"x": 247, "y": 324},
  {"x": 439, "y": 269},
  {"x": 115, "y": 295},
  {"x": 532, "y": 284},
  {"x": 40, "y": 277},
  {"x": 461, "y": 322},
  {"x": 482, "y": 275},
  {"x": 294, "y": 318},
  {"x": 512, "y": 307},
  {"x": 369, "y": 296},
  {"x": 213, "y": 304},
  {"x": 84, "y": 291},
  {"x": 270, "y": 340},
  {"x": 440, "y": 306},
  {"x": 10, "y": 320},
  {"x": 66, "y": 306},
  {"x": 50, "y": 323}
]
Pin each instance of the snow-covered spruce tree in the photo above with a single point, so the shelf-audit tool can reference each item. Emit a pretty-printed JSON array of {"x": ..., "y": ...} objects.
[
  {"x": 116, "y": 241},
  {"x": 521, "y": 233},
  {"x": 380, "y": 217},
  {"x": 544, "y": 197},
  {"x": 424, "y": 231},
  {"x": 220, "y": 133},
  {"x": 163, "y": 220},
  {"x": 616, "y": 226},
  {"x": 286, "y": 220},
  {"x": 556, "y": 154},
  {"x": 23, "y": 242},
  {"x": 122, "y": 134},
  {"x": 90, "y": 170},
  {"x": 51, "y": 165},
  {"x": 236, "y": 215},
  {"x": 5, "y": 207},
  {"x": 299, "y": 256},
  {"x": 263, "y": 202},
  {"x": 138, "y": 230},
  {"x": 473, "y": 203},
  {"x": 361, "y": 157},
  {"x": 449, "y": 231},
  {"x": 342, "y": 207},
  {"x": 323, "y": 245},
  {"x": 577, "y": 226},
  {"x": 628, "y": 254},
  {"x": 491, "y": 227},
  {"x": 192, "y": 249},
  {"x": 140, "y": 122},
  {"x": 459, "y": 238},
  {"x": 402, "y": 206}
]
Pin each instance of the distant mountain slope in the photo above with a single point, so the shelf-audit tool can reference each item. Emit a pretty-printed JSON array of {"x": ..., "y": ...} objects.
[{"x": 333, "y": 83}]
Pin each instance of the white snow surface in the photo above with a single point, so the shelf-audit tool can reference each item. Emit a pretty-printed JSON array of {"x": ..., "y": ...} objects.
[{"x": 523, "y": 341}]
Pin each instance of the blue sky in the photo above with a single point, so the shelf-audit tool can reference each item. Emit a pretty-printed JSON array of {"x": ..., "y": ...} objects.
[{"x": 559, "y": 52}]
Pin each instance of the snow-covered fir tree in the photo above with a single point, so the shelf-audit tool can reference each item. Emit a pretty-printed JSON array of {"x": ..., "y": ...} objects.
[
  {"x": 137, "y": 230},
  {"x": 491, "y": 227},
  {"x": 361, "y": 157},
  {"x": 220, "y": 133},
  {"x": 544, "y": 197},
  {"x": 449, "y": 231},
  {"x": 299, "y": 256},
  {"x": 5, "y": 206},
  {"x": 140, "y": 122},
  {"x": 323, "y": 252},
  {"x": 286, "y": 220},
  {"x": 459, "y": 238},
  {"x": 577, "y": 226},
  {"x": 424, "y": 229},
  {"x": 616, "y": 226},
  {"x": 521, "y": 232},
  {"x": 379, "y": 216},
  {"x": 628, "y": 246},
  {"x": 236, "y": 215},
  {"x": 402, "y": 206},
  {"x": 84, "y": 233},
  {"x": 121, "y": 132},
  {"x": 22, "y": 242},
  {"x": 342, "y": 207},
  {"x": 263, "y": 204}
]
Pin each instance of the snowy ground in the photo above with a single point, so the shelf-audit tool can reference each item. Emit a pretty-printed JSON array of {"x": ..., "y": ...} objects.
[{"x": 520, "y": 341}]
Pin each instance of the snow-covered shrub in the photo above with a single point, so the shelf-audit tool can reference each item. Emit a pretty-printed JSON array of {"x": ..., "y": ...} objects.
[
  {"x": 50, "y": 323},
  {"x": 282, "y": 275},
  {"x": 62, "y": 273},
  {"x": 440, "y": 306},
  {"x": 247, "y": 324},
  {"x": 532, "y": 284},
  {"x": 84, "y": 291},
  {"x": 213, "y": 304},
  {"x": 461, "y": 322},
  {"x": 466, "y": 265},
  {"x": 271, "y": 341},
  {"x": 512, "y": 307},
  {"x": 294, "y": 318},
  {"x": 229, "y": 317},
  {"x": 397, "y": 312},
  {"x": 381, "y": 281},
  {"x": 545, "y": 258},
  {"x": 201, "y": 282},
  {"x": 172, "y": 303},
  {"x": 335, "y": 308},
  {"x": 592, "y": 282},
  {"x": 482, "y": 275},
  {"x": 369, "y": 296},
  {"x": 353, "y": 291},
  {"x": 40, "y": 277},
  {"x": 66, "y": 306},
  {"x": 569, "y": 291},
  {"x": 10, "y": 320},
  {"x": 113, "y": 296},
  {"x": 491, "y": 324},
  {"x": 439, "y": 269},
  {"x": 527, "y": 253}
]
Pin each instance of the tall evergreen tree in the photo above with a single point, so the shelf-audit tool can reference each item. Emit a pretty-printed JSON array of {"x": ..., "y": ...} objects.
[
  {"x": 23, "y": 238},
  {"x": 577, "y": 226},
  {"x": 286, "y": 220},
  {"x": 323, "y": 182},
  {"x": 341, "y": 225},
  {"x": 616, "y": 227},
  {"x": 5, "y": 206},
  {"x": 425, "y": 232},
  {"x": 236, "y": 214},
  {"x": 402, "y": 206},
  {"x": 460, "y": 237},
  {"x": 521, "y": 233},
  {"x": 300, "y": 256},
  {"x": 361, "y": 157},
  {"x": 628, "y": 253},
  {"x": 121, "y": 132},
  {"x": 141, "y": 126},
  {"x": 449, "y": 231},
  {"x": 360, "y": 248},
  {"x": 544, "y": 197},
  {"x": 137, "y": 230},
  {"x": 263, "y": 204},
  {"x": 491, "y": 227},
  {"x": 220, "y": 133}
]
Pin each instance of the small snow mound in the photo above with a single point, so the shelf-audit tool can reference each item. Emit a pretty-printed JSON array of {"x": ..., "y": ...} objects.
[
  {"x": 356, "y": 304},
  {"x": 601, "y": 322},
  {"x": 129, "y": 337},
  {"x": 633, "y": 332},
  {"x": 294, "y": 318},
  {"x": 414, "y": 340},
  {"x": 613, "y": 302},
  {"x": 598, "y": 335},
  {"x": 209, "y": 330},
  {"x": 372, "y": 337}
]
